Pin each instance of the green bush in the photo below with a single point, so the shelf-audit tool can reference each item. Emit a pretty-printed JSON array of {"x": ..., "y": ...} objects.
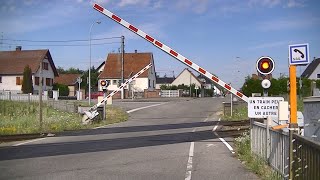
[{"x": 63, "y": 89}]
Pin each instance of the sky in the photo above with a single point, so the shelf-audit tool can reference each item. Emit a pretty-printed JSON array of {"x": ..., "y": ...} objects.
[{"x": 225, "y": 37}]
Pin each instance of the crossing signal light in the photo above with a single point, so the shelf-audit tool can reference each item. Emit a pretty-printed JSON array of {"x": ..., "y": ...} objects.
[
  {"x": 104, "y": 84},
  {"x": 265, "y": 65}
]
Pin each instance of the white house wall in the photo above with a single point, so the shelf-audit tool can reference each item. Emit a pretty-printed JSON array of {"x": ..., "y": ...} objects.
[
  {"x": 315, "y": 72},
  {"x": 184, "y": 78},
  {"x": 9, "y": 83},
  {"x": 139, "y": 84}
]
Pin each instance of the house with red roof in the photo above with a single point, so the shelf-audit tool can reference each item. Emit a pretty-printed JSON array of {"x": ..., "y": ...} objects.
[
  {"x": 70, "y": 80},
  {"x": 133, "y": 63},
  {"x": 12, "y": 64}
]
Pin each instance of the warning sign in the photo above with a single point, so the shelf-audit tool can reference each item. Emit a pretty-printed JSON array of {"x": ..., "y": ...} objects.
[{"x": 262, "y": 107}]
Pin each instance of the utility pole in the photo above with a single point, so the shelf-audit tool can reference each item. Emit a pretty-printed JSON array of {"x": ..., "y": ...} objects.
[
  {"x": 231, "y": 106},
  {"x": 122, "y": 65},
  {"x": 40, "y": 97}
]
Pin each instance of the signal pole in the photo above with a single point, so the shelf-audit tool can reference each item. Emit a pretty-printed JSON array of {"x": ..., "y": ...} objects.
[
  {"x": 293, "y": 126},
  {"x": 122, "y": 65}
]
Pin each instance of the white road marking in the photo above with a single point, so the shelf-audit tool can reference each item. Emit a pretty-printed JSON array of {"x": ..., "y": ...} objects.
[
  {"x": 145, "y": 107},
  {"x": 221, "y": 139},
  {"x": 133, "y": 110},
  {"x": 216, "y": 126},
  {"x": 26, "y": 142},
  {"x": 225, "y": 143},
  {"x": 189, "y": 165}
]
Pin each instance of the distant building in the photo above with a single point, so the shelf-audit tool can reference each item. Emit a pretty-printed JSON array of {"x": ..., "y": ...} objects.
[
  {"x": 12, "y": 64},
  {"x": 133, "y": 63},
  {"x": 209, "y": 84},
  {"x": 186, "y": 77},
  {"x": 164, "y": 81},
  {"x": 313, "y": 70},
  {"x": 69, "y": 80}
]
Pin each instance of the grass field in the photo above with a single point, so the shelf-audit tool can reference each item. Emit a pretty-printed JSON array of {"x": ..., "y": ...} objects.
[{"x": 23, "y": 118}]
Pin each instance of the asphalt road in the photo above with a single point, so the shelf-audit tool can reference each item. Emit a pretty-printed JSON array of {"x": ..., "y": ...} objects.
[{"x": 170, "y": 140}]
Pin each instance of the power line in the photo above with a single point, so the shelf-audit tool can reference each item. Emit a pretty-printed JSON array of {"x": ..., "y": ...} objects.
[
  {"x": 61, "y": 44},
  {"x": 74, "y": 40}
]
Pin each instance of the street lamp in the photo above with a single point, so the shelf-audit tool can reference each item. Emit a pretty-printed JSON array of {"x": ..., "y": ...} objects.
[{"x": 96, "y": 22}]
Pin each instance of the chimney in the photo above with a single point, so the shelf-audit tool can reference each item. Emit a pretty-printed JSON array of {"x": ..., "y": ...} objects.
[
  {"x": 18, "y": 48},
  {"x": 136, "y": 51}
]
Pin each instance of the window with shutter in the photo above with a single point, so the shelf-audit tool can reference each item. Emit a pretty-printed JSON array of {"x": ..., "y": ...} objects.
[
  {"x": 36, "y": 81},
  {"x": 18, "y": 81},
  {"x": 48, "y": 81}
]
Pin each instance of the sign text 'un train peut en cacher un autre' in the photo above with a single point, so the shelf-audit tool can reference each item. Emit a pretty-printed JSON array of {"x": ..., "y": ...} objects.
[{"x": 262, "y": 107}]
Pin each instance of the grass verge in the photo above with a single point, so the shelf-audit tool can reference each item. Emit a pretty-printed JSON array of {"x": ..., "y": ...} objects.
[
  {"x": 23, "y": 118},
  {"x": 239, "y": 113},
  {"x": 251, "y": 161}
]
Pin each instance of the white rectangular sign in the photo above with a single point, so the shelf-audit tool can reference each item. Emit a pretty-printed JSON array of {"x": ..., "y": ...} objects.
[
  {"x": 262, "y": 107},
  {"x": 299, "y": 54}
]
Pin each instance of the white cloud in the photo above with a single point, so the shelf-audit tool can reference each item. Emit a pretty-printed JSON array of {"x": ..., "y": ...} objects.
[
  {"x": 158, "y": 4},
  {"x": 196, "y": 6},
  {"x": 295, "y": 3},
  {"x": 123, "y": 3},
  {"x": 282, "y": 24},
  {"x": 22, "y": 19},
  {"x": 270, "y": 45},
  {"x": 117, "y": 31},
  {"x": 201, "y": 6},
  {"x": 264, "y": 3}
]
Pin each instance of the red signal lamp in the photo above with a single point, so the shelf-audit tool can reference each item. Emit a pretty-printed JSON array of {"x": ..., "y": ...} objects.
[{"x": 265, "y": 65}]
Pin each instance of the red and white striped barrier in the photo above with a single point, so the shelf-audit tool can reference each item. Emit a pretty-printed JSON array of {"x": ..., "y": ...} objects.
[
  {"x": 169, "y": 51},
  {"x": 93, "y": 110}
]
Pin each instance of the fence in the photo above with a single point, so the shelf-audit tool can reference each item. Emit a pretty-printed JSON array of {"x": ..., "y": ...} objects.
[
  {"x": 275, "y": 151},
  {"x": 67, "y": 106},
  {"x": 170, "y": 93},
  {"x": 21, "y": 97},
  {"x": 306, "y": 158}
]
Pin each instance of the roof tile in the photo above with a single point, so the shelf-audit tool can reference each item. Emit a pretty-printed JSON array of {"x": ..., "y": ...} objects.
[
  {"x": 14, "y": 62},
  {"x": 133, "y": 63}
]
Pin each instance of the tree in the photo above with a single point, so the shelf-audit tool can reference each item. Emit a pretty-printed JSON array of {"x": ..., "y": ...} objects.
[
  {"x": 318, "y": 83},
  {"x": 27, "y": 86},
  {"x": 94, "y": 79},
  {"x": 71, "y": 70},
  {"x": 251, "y": 86}
]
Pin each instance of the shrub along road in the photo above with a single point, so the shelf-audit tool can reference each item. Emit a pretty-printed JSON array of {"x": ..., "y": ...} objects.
[{"x": 169, "y": 141}]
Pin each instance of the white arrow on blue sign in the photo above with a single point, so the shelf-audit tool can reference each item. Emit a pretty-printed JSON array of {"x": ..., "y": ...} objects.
[{"x": 299, "y": 54}]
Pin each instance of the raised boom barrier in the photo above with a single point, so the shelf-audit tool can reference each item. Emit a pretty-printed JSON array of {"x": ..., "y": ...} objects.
[{"x": 169, "y": 51}]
